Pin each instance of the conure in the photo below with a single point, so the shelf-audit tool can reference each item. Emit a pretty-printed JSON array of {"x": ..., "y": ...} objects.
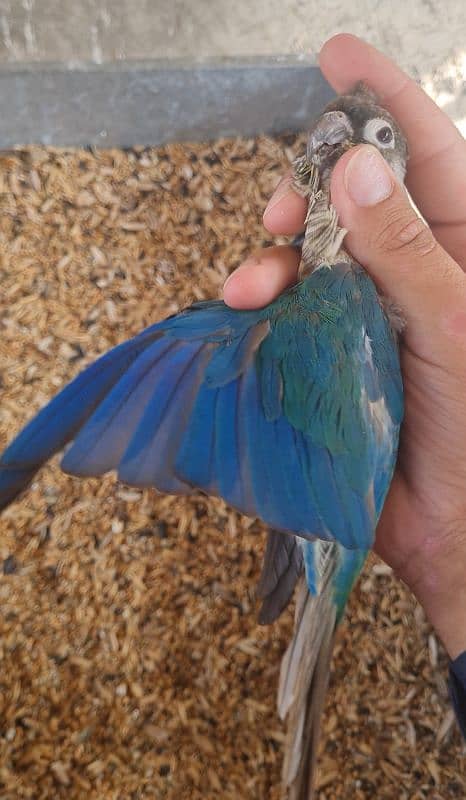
[{"x": 290, "y": 413}]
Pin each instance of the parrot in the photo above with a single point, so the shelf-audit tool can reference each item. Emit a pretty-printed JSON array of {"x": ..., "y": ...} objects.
[{"x": 291, "y": 413}]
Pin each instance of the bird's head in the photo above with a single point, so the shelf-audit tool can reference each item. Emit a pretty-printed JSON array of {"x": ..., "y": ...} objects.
[{"x": 352, "y": 119}]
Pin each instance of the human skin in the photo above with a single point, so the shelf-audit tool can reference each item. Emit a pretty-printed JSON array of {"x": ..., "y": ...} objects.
[{"x": 422, "y": 530}]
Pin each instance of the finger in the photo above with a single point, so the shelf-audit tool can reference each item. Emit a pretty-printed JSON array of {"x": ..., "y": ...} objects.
[
  {"x": 262, "y": 277},
  {"x": 437, "y": 166},
  {"x": 400, "y": 252},
  {"x": 286, "y": 209}
]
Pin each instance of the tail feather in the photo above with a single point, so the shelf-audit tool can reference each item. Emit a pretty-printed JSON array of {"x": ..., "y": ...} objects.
[
  {"x": 330, "y": 572},
  {"x": 305, "y": 666},
  {"x": 303, "y": 684},
  {"x": 283, "y": 564}
]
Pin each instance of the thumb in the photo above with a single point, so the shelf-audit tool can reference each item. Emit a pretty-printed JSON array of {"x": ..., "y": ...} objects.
[{"x": 399, "y": 251}]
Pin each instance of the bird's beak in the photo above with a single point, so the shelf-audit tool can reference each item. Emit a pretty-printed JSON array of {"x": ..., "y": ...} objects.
[{"x": 333, "y": 130}]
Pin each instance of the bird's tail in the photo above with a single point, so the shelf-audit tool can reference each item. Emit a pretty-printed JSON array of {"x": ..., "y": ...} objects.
[
  {"x": 303, "y": 684},
  {"x": 322, "y": 592}
]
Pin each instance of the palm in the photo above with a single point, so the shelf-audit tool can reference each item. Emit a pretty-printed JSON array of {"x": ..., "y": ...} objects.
[
  {"x": 418, "y": 510},
  {"x": 423, "y": 500}
]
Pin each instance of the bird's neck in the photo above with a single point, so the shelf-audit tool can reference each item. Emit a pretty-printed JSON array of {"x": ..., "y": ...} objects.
[{"x": 323, "y": 238}]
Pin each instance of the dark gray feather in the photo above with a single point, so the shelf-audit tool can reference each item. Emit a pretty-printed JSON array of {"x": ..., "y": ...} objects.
[{"x": 283, "y": 564}]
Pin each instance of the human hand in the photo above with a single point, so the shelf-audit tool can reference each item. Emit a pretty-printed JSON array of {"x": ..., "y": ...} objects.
[{"x": 422, "y": 530}]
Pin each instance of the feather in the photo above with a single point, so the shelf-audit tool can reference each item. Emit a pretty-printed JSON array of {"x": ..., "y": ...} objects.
[
  {"x": 271, "y": 388},
  {"x": 231, "y": 360},
  {"x": 233, "y": 477},
  {"x": 195, "y": 457},
  {"x": 330, "y": 572},
  {"x": 279, "y": 483},
  {"x": 58, "y": 422},
  {"x": 103, "y": 439},
  {"x": 268, "y": 409},
  {"x": 303, "y": 683},
  {"x": 283, "y": 564},
  {"x": 149, "y": 459}
]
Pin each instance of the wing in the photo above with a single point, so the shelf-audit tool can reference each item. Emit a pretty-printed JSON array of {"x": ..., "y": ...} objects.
[{"x": 271, "y": 410}]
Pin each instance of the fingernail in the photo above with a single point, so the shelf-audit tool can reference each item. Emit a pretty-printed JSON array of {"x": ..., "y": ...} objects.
[
  {"x": 284, "y": 188},
  {"x": 368, "y": 179}
]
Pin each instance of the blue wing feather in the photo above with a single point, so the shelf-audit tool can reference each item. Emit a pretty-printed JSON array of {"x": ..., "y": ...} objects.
[
  {"x": 56, "y": 424},
  {"x": 228, "y": 466},
  {"x": 290, "y": 413},
  {"x": 270, "y": 387},
  {"x": 149, "y": 457},
  {"x": 230, "y": 361},
  {"x": 195, "y": 458},
  {"x": 103, "y": 439},
  {"x": 266, "y": 473}
]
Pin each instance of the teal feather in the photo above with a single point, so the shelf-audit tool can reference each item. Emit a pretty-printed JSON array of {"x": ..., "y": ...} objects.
[{"x": 330, "y": 565}]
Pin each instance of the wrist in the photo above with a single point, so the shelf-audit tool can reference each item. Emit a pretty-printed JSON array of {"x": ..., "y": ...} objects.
[{"x": 438, "y": 579}]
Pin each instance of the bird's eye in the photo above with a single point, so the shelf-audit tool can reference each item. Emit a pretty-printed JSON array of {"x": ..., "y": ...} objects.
[
  {"x": 384, "y": 135},
  {"x": 379, "y": 132}
]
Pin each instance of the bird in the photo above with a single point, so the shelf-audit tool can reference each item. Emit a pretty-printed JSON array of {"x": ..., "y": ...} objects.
[{"x": 291, "y": 413}]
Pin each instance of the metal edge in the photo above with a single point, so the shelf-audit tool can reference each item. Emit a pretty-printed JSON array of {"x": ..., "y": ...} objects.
[
  {"x": 152, "y": 102},
  {"x": 211, "y": 62}
]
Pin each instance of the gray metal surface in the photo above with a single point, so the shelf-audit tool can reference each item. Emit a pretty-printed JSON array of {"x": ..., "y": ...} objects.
[{"x": 155, "y": 102}]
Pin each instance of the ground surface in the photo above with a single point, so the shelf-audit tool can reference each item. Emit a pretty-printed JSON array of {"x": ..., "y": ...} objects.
[{"x": 131, "y": 662}]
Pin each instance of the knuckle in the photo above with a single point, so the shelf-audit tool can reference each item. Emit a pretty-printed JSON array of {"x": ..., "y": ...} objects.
[{"x": 403, "y": 231}]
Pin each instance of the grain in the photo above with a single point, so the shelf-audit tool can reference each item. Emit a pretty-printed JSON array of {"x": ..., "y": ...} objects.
[{"x": 132, "y": 665}]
